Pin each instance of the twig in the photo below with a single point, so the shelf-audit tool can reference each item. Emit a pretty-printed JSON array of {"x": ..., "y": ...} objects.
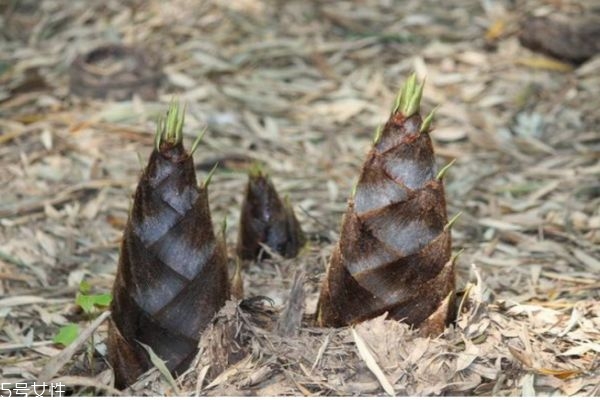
[
  {"x": 6, "y": 347},
  {"x": 321, "y": 352},
  {"x": 291, "y": 317},
  {"x": 12, "y": 260},
  {"x": 58, "y": 361},
  {"x": 59, "y": 198},
  {"x": 368, "y": 358}
]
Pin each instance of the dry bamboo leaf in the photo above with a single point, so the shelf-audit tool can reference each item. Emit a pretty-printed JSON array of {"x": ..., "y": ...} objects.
[
  {"x": 521, "y": 356},
  {"x": 394, "y": 249},
  {"x": 21, "y": 300},
  {"x": 201, "y": 377},
  {"x": 291, "y": 317},
  {"x": 162, "y": 367},
  {"x": 573, "y": 386},
  {"x": 172, "y": 272},
  {"x": 320, "y": 353},
  {"x": 527, "y": 386},
  {"x": 544, "y": 63},
  {"x": 592, "y": 263},
  {"x": 582, "y": 349},
  {"x": 501, "y": 225},
  {"x": 229, "y": 372},
  {"x": 574, "y": 319},
  {"x": 559, "y": 373},
  {"x": 368, "y": 358},
  {"x": 466, "y": 358}
]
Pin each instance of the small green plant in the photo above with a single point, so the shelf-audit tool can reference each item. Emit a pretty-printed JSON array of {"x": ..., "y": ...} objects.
[
  {"x": 67, "y": 334},
  {"x": 91, "y": 304}
]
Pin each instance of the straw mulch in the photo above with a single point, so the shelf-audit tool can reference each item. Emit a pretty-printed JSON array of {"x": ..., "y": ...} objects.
[{"x": 301, "y": 86}]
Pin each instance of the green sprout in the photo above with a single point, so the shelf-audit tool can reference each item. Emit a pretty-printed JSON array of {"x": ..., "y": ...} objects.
[
  {"x": 197, "y": 141},
  {"x": 452, "y": 221},
  {"x": 378, "y": 133},
  {"x": 256, "y": 169},
  {"x": 210, "y": 175},
  {"x": 170, "y": 129},
  {"x": 426, "y": 124},
  {"x": 90, "y": 304},
  {"x": 354, "y": 189},
  {"x": 442, "y": 173},
  {"x": 408, "y": 101},
  {"x": 67, "y": 334}
]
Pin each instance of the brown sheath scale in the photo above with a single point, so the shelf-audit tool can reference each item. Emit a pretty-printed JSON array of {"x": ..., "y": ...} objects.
[
  {"x": 172, "y": 272},
  {"x": 394, "y": 250},
  {"x": 266, "y": 219}
]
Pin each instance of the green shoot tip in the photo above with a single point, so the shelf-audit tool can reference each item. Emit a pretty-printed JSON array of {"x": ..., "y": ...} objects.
[
  {"x": 256, "y": 169},
  {"x": 414, "y": 102},
  {"x": 210, "y": 176},
  {"x": 452, "y": 221},
  {"x": 456, "y": 255},
  {"x": 426, "y": 124},
  {"x": 378, "y": 133},
  {"x": 197, "y": 141},
  {"x": 160, "y": 127},
  {"x": 442, "y": 172},
  {"x": 408, "y": 100},
  {"x": 170, "y": 129},
  {"x": 354, "y": 188},
  {"x": 405, "y": 92}
]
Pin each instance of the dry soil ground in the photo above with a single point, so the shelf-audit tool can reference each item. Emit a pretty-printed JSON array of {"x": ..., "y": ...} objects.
[{"x": 301, "y": 85}]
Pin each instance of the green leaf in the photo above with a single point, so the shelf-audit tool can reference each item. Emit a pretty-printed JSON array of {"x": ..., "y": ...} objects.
[
  {"x": 452, "y": 221},
  {"x": 378, "y": 133},
  {"x": 67, "y": 334},
  {"x": 85, "y": 287},
  {"x": 88, "y": 301},
  {"x": 414, "y": 102},
  {"x": 85, "y": 302},
  {"x": 210, "y": 175},
  {"x": 160, "y": 128},
  {"x": 173, "y": 130},
  {"x": 197, "y": 141},
  {"x": 442, "y": 172},
  {"x": 426, "y": 124},
  {"x": 405, "y": 93},
  {"x": 102, "y": 300}
]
